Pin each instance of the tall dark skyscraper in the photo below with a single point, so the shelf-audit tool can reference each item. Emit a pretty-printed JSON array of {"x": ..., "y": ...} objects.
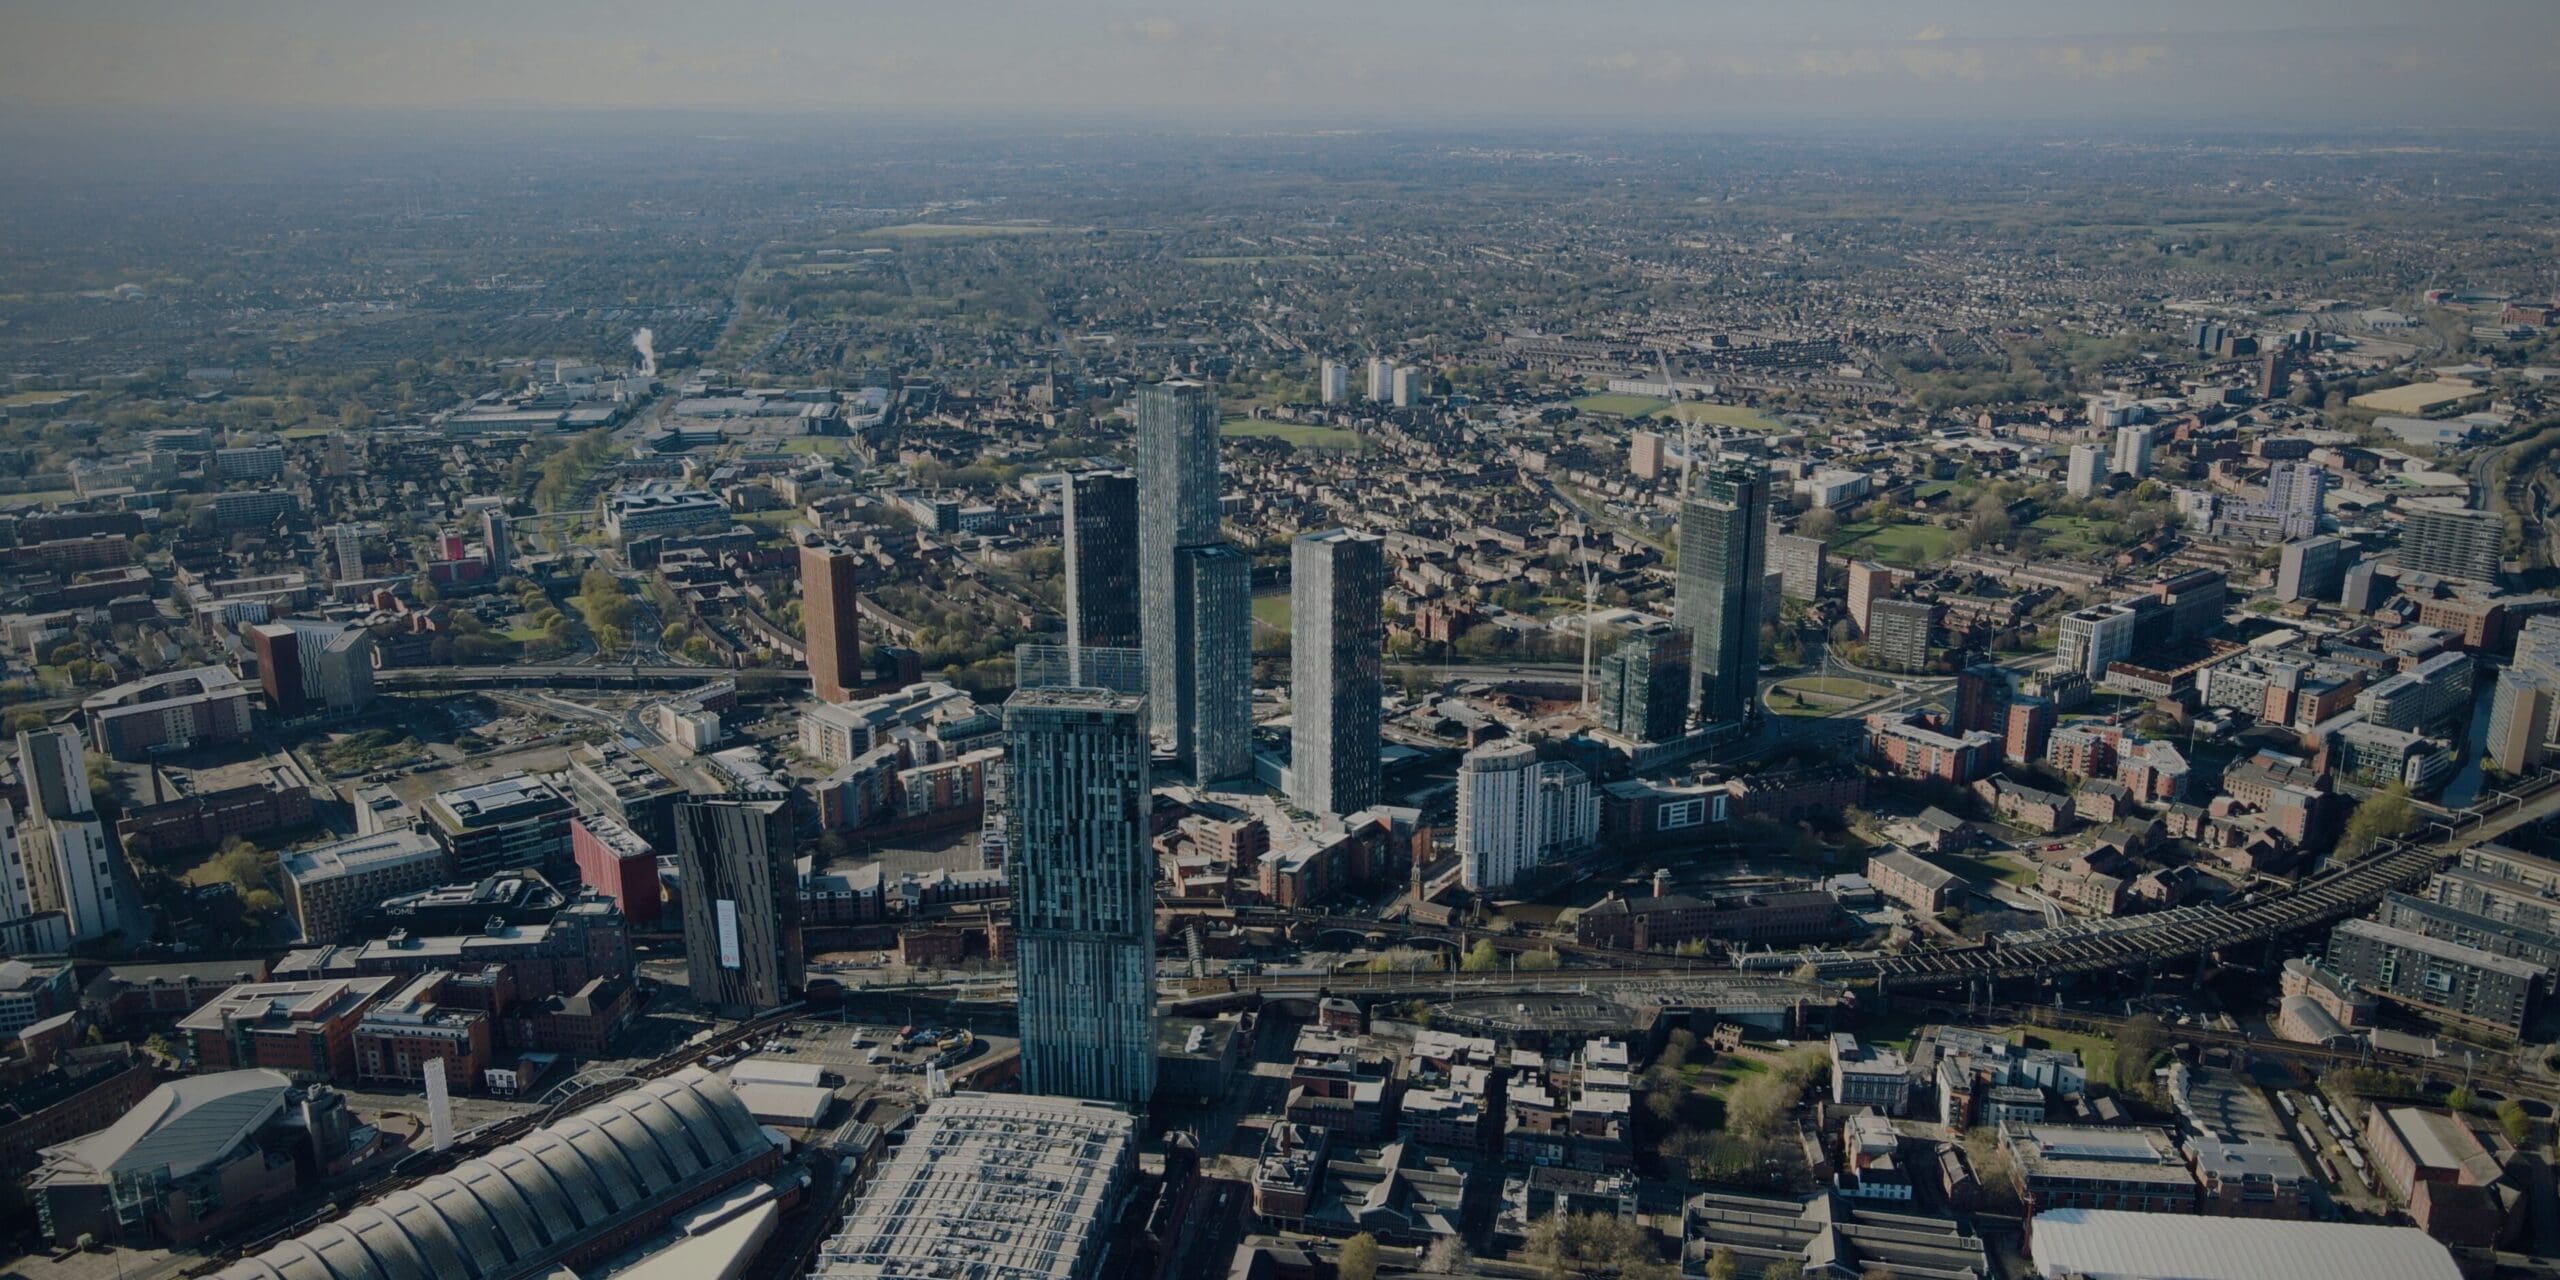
[
  {"x": 1724, "y": 555},
  {"x": 1083, "y": 880},
  {"x": 831, "y": 620},
  {"x": 1194, "y": 591},
  {"x": 1338, "y": 633},
  {"x": 741, "y": 904},
  {"x": 1101, "y": 521}
]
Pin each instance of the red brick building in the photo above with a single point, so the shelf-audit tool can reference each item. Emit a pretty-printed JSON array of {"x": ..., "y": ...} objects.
[{"x": 305, "y": 1029}]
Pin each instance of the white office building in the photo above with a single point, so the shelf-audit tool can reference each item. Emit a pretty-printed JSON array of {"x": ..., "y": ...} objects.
[{"x": 2095, "y": 636}]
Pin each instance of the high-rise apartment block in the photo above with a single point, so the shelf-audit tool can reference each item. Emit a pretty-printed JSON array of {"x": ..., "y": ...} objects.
[
  {"x": 1083, "y": 881},
  {"x": 1868, "y": 583},
  {"x": 831, "y": 620},
  {"x": 1382, "y": 380},
  {"x": 310, "y": 667},
  {"x": 1898, "y": 634},
  {"x": 1337, "y": 589},
  {"x": 1195, "y": 591},
  {"x": 2133, "y": 449},
  {"x": 1801, "y": 564},
  {"x": 62, "y": 849},
  {"x": 1644, "y": 455},
  {"x": 2453, "y": 542},
  {"x": 1100, "y": 517},
  {"x": 2086, "y": 473},
  {"x": 1724, "y": 555},
  {"x": 1335, "y": 383},
  {"x": 1516, "y": 812},
  {"x": 741, "y": 904}
]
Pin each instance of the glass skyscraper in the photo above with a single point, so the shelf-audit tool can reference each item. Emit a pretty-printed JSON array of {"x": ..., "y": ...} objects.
[
  {"x": 1083, "y": 879},
  {"x": 1724, "y": 555}
]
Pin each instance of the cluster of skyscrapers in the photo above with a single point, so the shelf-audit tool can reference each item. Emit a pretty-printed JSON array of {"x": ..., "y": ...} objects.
[{"x": 1159, "y": 629}]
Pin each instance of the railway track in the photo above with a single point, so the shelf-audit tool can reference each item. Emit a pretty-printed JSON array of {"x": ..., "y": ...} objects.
[{"x": 2137, "y": 940}]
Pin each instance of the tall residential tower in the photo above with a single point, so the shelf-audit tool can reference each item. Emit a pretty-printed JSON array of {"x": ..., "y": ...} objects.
[
  {"x": 1083, "y": 880},
  {"x": 1101, "y": 521},
  {"x": 831, "y": 620},
  {"x": 1195, "y": 593},
  {"x": 1338, "y": 632},
  {"x": 741, "y": 904},
  {"x": 1724, "y": 555}
]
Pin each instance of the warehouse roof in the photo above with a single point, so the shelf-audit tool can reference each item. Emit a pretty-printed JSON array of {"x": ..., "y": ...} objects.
[{"x": 2108, "y": 1244}]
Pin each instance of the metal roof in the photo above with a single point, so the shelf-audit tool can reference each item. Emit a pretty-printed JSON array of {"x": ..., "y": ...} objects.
[
  {"x": 2109, "y": 1244},
  {"x": 181, "y": 1126},
  {"x": 512, "y": 1212}
]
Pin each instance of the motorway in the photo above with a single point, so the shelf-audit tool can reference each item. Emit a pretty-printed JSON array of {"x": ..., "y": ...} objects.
[{"x": 2134, "y": 941}]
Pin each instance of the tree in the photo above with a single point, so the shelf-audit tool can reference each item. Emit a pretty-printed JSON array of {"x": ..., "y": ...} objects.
[
  {"x": 1481, "y": 958},
  {"x": 1448, "y": 1255},
  {"x": 2512, "y": 1118},
  {"x": 2387, "y": 814},
  {"x": 159, "y": 1046},
  {"x": 1358, "y": 1259},
  {"x": 1992, "y": 1170},
  {"x": 1723, "y": 1265},
  {"x": 2459, "y": 1098},
  {"x": 2138, "y": 1043},
  {"x": 1783, "y": 1269}
]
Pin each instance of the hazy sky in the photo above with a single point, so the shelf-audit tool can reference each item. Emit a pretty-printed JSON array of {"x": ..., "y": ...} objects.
[{"x": 1679, "y": 62}]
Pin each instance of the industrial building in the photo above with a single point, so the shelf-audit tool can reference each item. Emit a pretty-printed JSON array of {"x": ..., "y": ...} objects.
[{"x": 2110, "y": 1244}]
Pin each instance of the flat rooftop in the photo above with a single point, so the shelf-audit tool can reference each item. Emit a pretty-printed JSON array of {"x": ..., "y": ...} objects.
[{"x": 991, "y": 1185}]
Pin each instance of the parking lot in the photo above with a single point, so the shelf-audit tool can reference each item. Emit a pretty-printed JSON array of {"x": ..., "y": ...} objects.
[{"x": 862, "y": 1059}]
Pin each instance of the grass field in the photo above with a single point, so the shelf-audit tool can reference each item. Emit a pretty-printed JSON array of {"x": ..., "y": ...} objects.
[
  {"x": 1822, "y": 695},
  {"x": 1981, "y": 868},
  {"x": 1297, "y": 434},
  {"x": 1621, "y": 406},
  {"x": 834, "y": 445},
  {"x": 1271, "y": 620},
  {"x": 2071, "y": 535},
  {"x": 1724, "y": 415},
  {"x": 961, "y": 230},
  {"x": 1896, "y": 544}
]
